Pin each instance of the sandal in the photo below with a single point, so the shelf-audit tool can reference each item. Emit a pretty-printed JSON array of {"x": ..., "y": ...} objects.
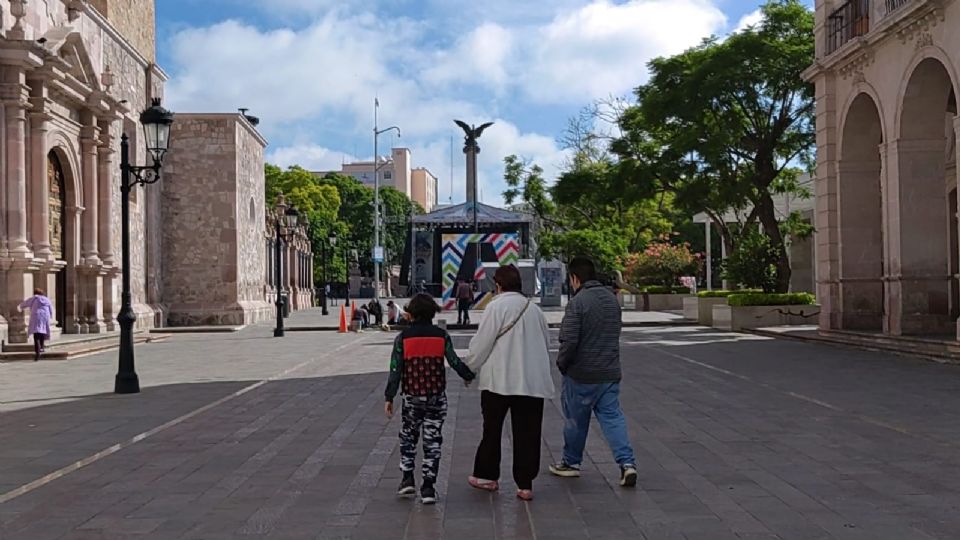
[
  {"x": 525, "y": 494},
  {"x": 485, "y": 485}
]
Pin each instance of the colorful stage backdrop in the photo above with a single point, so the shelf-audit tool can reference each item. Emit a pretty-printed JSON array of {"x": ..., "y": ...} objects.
[{"x": 505, "y": 245}]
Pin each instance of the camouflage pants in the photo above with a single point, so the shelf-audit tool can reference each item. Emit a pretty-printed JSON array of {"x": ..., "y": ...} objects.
[{"x": 424, "y": 413}]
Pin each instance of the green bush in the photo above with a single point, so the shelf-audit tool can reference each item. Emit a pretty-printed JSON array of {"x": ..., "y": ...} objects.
[
  {"x": 662, "y": 289},
  {"x": 771, "y": 299},
  {"x": 753, "y": 263},
  {"x": 723, "y": 293}
]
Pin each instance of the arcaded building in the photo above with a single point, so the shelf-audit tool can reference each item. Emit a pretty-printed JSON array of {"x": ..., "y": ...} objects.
[
  {"x": 76, "y": 74},
  {"x": 886, "y": 186}
]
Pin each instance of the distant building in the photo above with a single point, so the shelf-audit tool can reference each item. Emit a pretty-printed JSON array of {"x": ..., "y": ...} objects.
[
  {"x": 417, "y": 184},
  {"x": 424, "y": 189}
]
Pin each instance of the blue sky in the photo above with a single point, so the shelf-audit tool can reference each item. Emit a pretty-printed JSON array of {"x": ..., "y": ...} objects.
[{"x": 311, "y": 69}]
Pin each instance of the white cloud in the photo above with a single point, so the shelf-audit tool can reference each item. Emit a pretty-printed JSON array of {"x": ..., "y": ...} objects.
[
  {"x": 750, "y": 19},
  {"x": 603, "y": 48},
  {"x": 309, "y": 156},
  {"x": 313, "y": 84},
  {"x": 479, "y": 56}
]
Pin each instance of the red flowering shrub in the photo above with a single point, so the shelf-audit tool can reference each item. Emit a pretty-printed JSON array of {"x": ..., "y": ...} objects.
[{"x": 662, "y": 263}]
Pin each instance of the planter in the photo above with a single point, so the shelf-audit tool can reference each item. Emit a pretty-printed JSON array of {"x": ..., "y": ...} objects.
[
  {"x": 663, "y": 302},
  {"x": 701, "y": 309},
  {"x": 736, "y": 318}
]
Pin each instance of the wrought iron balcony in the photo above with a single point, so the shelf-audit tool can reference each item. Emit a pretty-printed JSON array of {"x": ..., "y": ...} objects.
[
  {"x": 850, "y": 21},
  {"x": 893, "y": 5}
]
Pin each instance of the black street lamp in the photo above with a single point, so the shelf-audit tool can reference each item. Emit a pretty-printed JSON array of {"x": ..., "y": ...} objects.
[
  {"x": 284, "y": 225},
  {"x": 156, "y": 128},
  {"x": 323, "y": 255}
]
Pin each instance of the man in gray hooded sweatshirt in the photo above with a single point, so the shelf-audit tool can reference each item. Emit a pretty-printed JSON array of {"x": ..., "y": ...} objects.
[{"x": 589, "y": 360}]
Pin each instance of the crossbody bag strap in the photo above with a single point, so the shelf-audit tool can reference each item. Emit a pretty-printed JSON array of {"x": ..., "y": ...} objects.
[{"x": 514, "y": 323}]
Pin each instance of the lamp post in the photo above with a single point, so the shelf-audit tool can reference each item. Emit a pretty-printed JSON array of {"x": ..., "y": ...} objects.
[
  {"x": 284, "y": 226},
  {"x": 332, "y": 239},
  {"x": 377, "y": 249},
  {"x": 156, "y": 123}
]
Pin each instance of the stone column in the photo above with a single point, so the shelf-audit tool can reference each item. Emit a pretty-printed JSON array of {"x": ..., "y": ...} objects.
[
  {"x": 827, "y": 212},
  {"x": 89, "y": 250},
  {"x": 919, "y": 242},
  {"x": 39, "y": 179},
  {"x": 16, "y": 281},
  {"x": 16, "y": 180},
  {"x": 105, "y": 169},
  {"x": 106, "y": 166},
  {"x": 956, "y": 140}
]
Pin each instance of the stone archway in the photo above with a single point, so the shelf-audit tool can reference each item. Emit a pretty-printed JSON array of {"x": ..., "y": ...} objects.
[
  {"x": 861, "y": 217},
  {"x": 924, "y": 294}
]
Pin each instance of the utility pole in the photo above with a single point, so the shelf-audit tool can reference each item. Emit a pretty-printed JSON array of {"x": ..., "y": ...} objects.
[{"x": 377, "y": 248}]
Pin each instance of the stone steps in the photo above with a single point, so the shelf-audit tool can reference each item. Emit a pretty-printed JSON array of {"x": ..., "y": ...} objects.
[
  {"x": 944, "y": 350},
  {"x": 65, "y": 350}
]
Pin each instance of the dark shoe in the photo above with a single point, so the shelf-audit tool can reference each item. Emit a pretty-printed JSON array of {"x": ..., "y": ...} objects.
[
  {"x": 628, "y": 476},
  {"x": 565, "y": 470},
  {"x": 408, "y": 486},
  {"x": 428, "y": 495}
]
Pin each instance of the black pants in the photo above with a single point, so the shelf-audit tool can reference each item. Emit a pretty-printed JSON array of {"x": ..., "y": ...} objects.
[
  {"x": 463, "y": 311},
  {"x": 38, "y": 343},
  {"x": 526, "y": 419}
]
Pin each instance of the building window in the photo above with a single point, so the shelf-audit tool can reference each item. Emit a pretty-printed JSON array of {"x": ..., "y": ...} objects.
[{"x": 387, "y": 175}]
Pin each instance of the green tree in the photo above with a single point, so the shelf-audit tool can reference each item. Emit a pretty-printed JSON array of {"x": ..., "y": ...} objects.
[
  {"x": 356, "y": 213},
  {"x": 318, "y": 204},
  {"x": 723, "y": 126}
]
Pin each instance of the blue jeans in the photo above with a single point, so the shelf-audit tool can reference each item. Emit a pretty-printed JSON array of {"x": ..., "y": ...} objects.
[{"x": 603, "y": 400}]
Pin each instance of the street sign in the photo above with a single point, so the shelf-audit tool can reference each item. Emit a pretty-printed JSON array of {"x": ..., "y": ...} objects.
[{"x": 378, "y": 254}]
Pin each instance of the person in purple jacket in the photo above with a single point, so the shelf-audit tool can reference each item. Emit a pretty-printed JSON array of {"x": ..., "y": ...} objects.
[{"x": 41, "y": 312}]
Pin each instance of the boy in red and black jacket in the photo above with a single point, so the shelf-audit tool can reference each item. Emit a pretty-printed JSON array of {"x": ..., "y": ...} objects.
[{"x": 418, "y": 363}]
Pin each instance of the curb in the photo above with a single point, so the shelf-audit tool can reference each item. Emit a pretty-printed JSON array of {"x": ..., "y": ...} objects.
[{"x": 554, "y": 326}]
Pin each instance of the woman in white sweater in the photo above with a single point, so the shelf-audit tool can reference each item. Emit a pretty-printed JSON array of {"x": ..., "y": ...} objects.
[{"x": 510, "y": 354}]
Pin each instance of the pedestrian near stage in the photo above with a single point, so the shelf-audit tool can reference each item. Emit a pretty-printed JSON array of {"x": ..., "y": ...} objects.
[
  {"x": 589, "y": 360},
  {"x": 511, "y": 357},
  {"x": 41, "y": 313},
  {"x": 417, "y": 367},
  {"x": 464, "y": 301}
]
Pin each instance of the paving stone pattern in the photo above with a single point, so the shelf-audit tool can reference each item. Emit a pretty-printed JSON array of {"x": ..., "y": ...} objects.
[{"x": 736, "y": 437}]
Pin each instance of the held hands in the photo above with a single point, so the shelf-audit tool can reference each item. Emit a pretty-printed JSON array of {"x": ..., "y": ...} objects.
[{"x": 388, "y": 409}]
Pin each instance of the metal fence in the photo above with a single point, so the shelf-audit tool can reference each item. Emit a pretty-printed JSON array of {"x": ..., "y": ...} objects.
[{"x": 851, "y": 20}]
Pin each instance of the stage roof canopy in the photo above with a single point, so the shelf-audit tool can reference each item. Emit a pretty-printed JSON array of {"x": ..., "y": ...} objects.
[{"x": 462, "y": 214}]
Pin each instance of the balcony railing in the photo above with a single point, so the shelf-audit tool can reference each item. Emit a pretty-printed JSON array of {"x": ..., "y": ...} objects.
[
  {"x": 893, "y": 5},
  {"x": 850, "y": 21}
]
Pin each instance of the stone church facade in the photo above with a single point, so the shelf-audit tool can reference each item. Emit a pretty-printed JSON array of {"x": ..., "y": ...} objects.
[
  {"x": 74, "y": 76},
  {"x": 886, "y": 79}
]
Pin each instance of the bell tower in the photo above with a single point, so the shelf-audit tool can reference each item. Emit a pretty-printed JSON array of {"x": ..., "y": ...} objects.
[{"x": 136, "y": 20}]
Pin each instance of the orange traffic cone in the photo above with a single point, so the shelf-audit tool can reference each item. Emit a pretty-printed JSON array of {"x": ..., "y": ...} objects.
[
  {"x": 343, "y": 320},
  {"x": 353, "y": 309}
]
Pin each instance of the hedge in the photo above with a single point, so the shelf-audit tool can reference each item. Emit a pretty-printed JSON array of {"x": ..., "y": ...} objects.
[
  {"x": 771, "y": 299},
  {"x": 722, "y": 293},
  {"x": 663, "y": 289}
]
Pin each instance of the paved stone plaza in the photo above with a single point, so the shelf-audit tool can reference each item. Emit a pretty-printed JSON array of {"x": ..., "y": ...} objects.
[{"x": 250, "y": 436}]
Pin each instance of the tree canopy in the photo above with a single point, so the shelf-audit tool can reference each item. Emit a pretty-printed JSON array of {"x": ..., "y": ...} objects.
[
  {"x": 725, "y": 125},
  {"x": 342, "y": 204}
]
